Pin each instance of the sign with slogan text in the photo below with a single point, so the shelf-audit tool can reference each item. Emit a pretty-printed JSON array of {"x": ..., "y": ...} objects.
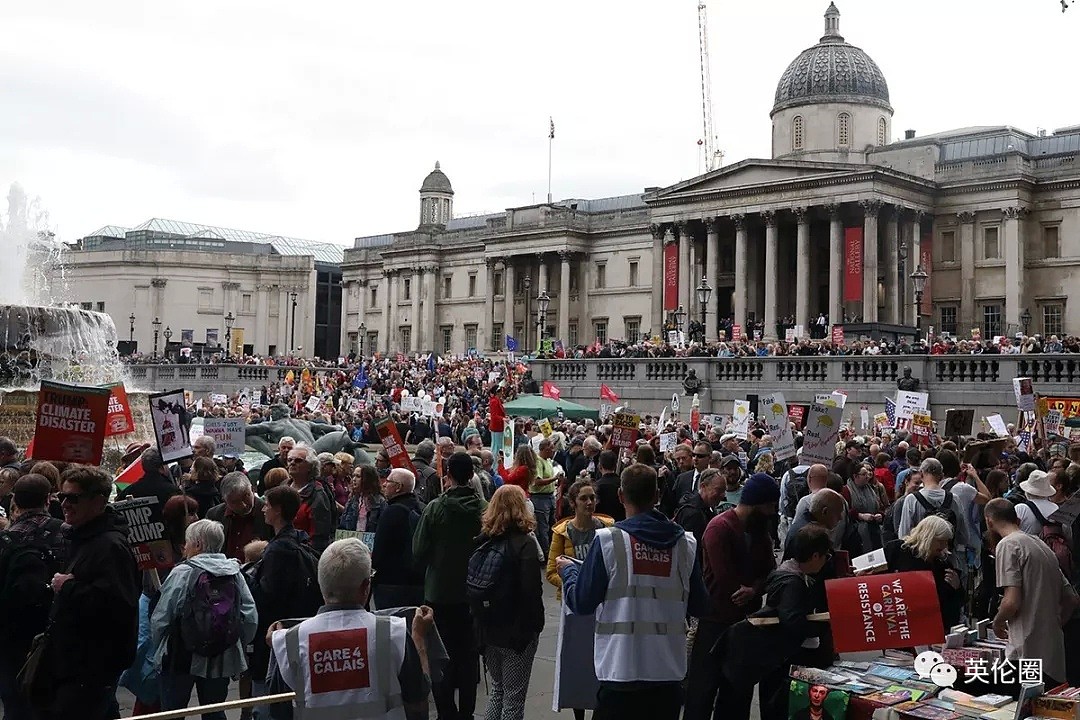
[
  {"x": 368, "y": 538},
  {"x": 837, "y": 334},
  {"x": 545, "y": 427},
  {"x": 172, "y": 425},
  {"x": 675, "y": 403},
  {"x": 909, "y": 403},
  {"x": 624, "y": 433},
  {"x": 881, "y": 612},
  {"x": 71, "y": 422},
  {"x": 1069, "y": 406},
  {"x": 958, "y": 421},
  {"x": 774, "y": 412},
  {"x": 146, "y": 532},
  {"x": 920, "y": 428},
  {"x": 119, "y": 421},
  {"x": 833, "y": 399},
  {"x": 219, "y": 398},
  {"x": 881, "y": 421},
  {"x": 228, "y": 433},
  {"x": 1025, "y": 394},
  {"x": 313, "y": 403},
  {"x": 338, "y": 661},
  {"x": 820, "y": 435},
  {"x": 395, "y": 449},
  {"x": 412, "y": 404},
  {"x": 736, "y": 332},
  {"x": 797, "y": 414},
  {"x": 740, "y": 418},
  {"x": 997, "y": 425},
  {"x": 668, "y": 441}
]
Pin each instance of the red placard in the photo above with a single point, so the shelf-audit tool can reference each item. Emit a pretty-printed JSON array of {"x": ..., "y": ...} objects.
[
  {"x": 70, "y": 423},
  {"x": 736, "y": 332},
  {"x": 1069, "y": 407},
  {"x": 797, "y": 415},
  {"x": 119, "y": 421},
  {"x": 853, "y": 264},
  {"x": 671, "y": 276},
  {"x": 926, "y": 257},
  {"x": 837, "y": 334},
  {"x": 625, "y": 429},
  {"x": 395, "y": 449},
  {"x": 879, "y": 612}
]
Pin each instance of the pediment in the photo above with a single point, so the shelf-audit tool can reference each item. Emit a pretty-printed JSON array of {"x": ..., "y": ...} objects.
[{"x": 749, "y": 173}]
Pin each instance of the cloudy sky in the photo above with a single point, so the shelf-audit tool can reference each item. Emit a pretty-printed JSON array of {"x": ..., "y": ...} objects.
[{"x": 320, "y": 119}]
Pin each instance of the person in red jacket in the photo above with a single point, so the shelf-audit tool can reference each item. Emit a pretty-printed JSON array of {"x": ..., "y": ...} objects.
[{"x": 496, "y": 420}]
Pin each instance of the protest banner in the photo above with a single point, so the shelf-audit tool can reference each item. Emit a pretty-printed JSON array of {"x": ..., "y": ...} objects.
[
  {"x": 545, "y": 427},
  {"x": 70, "y": 423},
  {"x": 774, "y": 413},
  {"x": 882, "y": 612},
  {"x": 119, "y": 421},
  {"x": 1025, "y": 394},
  {"x": 219, "y": 399},
  {"x": 958, "y": 421},
  {"x": 833, "y": 399},
  {"x": 624, "y": 432},
  {"x": 736, "y": 332},
  {"x": 820, "y": 435},
  {"x": 797, "y": 414},
  {"x": 146, "y": 532},
  {"x": 1069, "y": 406},
  {"x": 228, "y": 433},
  {"x": 391, "y": 440},
  {"x": 881, "y": 421},
  {"x": 668, "y": 441},
  {"x": 313, "y": 403},
  {"x": 997, "y": 425},
  {"x": 412, "y": 404},
  {"x": 740, "y": 418},
  {"x": 368, "y": 538},
  {"x": 1054, "y": 422},
  {"x": 920, "y": 428},
  {"x": 838, "y": 334},
  {"x": 908, "y": 403},
  {"x": 172, "y": 425}
]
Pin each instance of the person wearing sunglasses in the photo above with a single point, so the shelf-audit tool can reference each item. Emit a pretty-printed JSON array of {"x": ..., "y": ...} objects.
[{"x": 96, "y": 604}]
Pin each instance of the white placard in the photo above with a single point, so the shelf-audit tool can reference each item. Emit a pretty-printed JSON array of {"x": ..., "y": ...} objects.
[
  {"x": 789, "y": 334},
  {"x": 864, "y": 416},
  {"x": 427, "y": 407},
  {"x": 1025, "y": 394},
  {"x": 909, "y": 403},
  {"x": 228, "y": 434},
  {"x": 997, "y": 425},
  {"x": 668, "y": 441},
  {"x": 219, "y": 398},
  {"x": 800, "y": 332},
  {"x": 675, "y": 403},
  {"x": 1053, "y": 421},
  {"x": 662, "y": 420},
  {"x": 412, "y": 404},
  {"x": 605, "y": 410},
  {"x": 773, "y": 409},
  {"x": 833, "y": 399},
  {"x": 313, "y": 403},
  {"x": 740, "y": 423},
  {"x": 820, "y": 435}
]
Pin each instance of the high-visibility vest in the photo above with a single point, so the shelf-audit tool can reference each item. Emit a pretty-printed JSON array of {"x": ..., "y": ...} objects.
[
  {"x": 641, "y": 625},
  {"x": 344, "y": 665}
]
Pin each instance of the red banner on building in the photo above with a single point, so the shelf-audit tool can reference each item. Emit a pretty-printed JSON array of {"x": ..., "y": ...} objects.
[
  {"x": 395, "y": 449},
  {"x": 119, "y": 421},
  {"x": 879, "y": 612},
  {"x": 853, "y": 264},
  {"x": 70, "y": 424},
  {"x": 926, "y": 257},
  {"x": 671, "y": 276}
]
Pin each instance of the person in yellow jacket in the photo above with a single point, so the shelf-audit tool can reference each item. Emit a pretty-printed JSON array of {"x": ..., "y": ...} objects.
[{"x": 575, "y": 674}]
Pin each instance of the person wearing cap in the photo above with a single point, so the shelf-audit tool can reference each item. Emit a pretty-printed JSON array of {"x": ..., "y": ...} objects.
[
  {"x": 1037, "y": 506},
  {"x": 737, "y": 557},
  {"x": 729, "y": 444},
  {"x": 731, "y": 472},
  {"x": 156, "y": 480}
]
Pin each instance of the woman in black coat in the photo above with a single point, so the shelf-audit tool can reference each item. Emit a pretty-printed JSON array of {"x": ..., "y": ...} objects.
[{"x": 927, "y": 548}]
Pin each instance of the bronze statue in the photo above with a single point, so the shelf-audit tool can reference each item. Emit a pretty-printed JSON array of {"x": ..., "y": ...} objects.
[
  {"x": 907, "y": 382},
  {"x": 692, "y": 384}
]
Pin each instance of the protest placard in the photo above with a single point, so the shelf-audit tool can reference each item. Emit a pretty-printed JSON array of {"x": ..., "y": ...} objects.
[
  {"x": 355, "y": 405},
  {"x": 833, "y": 399},
  {"x": 881, "y": 421},
  {"x": 412, "y": 404},
  {"x": 908, "y": 403},
  {"x": 881, "y": 612},
  {"x": 820, "y": 435},
  {"x": 119, "y": 421},
  {"x": 920, "y": 428},
  {"x": 668, "y": 441},
  {"x": 172, "y": 425},
  {"x": 146, "y": 532},
  {"x": 997, "y": 425},
  {"x": 70, "y": 423},
  {"x": 797, "y": 414},
  {"x": 605, "y": 410},
  {"x": 508, "y": 445},
  {"x": 837, "y": 334},
  {"x": 228, "y": 434},
  {"x": 1053, "y": 422},
  {"x": 313, "y": 403},
  {"x": 958, "y": 421},
  {"x": 624, "y": 432},
  {"x": 736, "y": 332},
  {"x": 740, "y": 418},
  {"x": 1025, "y": 394},
  {"x": 219, "y": 399},
  {"x": 864, "y": 417},
  {"x": 545, "y": 427},
  {"x": 391, "y": 440},
  {"x": 368, "y": 538},
  {"x": 675, "y": 403},
  {"x": 774, "y": 413}
]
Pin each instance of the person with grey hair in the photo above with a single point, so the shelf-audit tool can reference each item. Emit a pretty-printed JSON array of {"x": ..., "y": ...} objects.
[
  {"x": 316, "y": 514},
  {"x": 241, "y": 515},
  {"x": 188, "y": 650},
  {"x": 399, "y": 582},
  {"x": 281, "y": 460},
  {"x": 428, "y": 482},
  {"x": 204, "y": 446},
  {"x": 346, "y": 661}
]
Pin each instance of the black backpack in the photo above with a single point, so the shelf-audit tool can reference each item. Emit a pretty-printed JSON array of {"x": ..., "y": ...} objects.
[
  {"x": 28, "y": 562},
  {"x": 308, "y": 597},
  {"x": 945, "y": 511},
  {"x": 491, "y": 580},
  {"x": 796, "y": 489}
]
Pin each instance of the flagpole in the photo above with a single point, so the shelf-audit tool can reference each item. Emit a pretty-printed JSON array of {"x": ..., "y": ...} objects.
[{"x": 551, "y": 142}]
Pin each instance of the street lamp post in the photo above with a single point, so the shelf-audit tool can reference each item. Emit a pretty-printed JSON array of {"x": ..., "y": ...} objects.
[
  {"x": 157, "y": 326},
  {"x": 360, "y": 339},
  {"x": 918, "y": 283},
  {"x": 1025, "y": 320},
  {"x": 525, "y": 326},
  {"x": 131, "y": 331},
  {"x": 168, "y": 336},
  {"x": 542, "y": 304},
  {"x": 292, "y": 335},
  {"x": 680, "y": 319},
  {"x": 228, "y": 333},
  {"x": 703, "y": 293}
]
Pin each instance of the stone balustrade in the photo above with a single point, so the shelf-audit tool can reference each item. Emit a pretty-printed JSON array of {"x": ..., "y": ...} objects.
[
  {"x": 208, "y": 378},
  {"x": 980, "y": 381}
]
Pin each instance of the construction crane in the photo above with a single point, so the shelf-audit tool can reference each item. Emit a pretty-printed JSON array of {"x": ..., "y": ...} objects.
[{"x": 714, "y": 157}]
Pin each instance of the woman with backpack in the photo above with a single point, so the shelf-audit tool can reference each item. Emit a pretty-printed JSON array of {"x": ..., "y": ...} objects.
[
  {"x": 203, "y": 620},
  {"x": 508, "y": 626},
  {"x": 927, "y": 548}
]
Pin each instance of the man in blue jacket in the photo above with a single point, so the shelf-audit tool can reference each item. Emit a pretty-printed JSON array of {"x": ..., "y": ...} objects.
[{"x": 641, "y": 580}]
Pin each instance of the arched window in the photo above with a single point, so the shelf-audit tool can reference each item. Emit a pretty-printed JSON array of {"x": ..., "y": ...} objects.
[
  {"x": 882, "y": 132},
  {"x": 797, "y": 133},
  {"x": 843, "y": 130}
]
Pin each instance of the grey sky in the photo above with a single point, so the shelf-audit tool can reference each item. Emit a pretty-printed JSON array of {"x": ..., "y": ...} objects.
[{"x": 319, "y": 120}]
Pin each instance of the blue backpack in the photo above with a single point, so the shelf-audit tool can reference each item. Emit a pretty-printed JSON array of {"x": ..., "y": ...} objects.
[{"x": 210, "y": 622}]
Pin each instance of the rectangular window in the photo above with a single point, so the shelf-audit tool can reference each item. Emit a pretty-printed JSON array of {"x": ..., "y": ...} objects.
[
  {"x": 374, "y": 296},
  {"x": 1051, "y": 241},
  {"x": 101, "y": 307},
  {"x": 470, "y": 337},
  {"x": 601, "y": 276},
  {"x": 519, "y": 284},
  {"x": 447, "y": 338},
  {"x": 87, "y": 305},
  {"x": 600, "y": 330},
  {"x": 948, "y": 320},
  {"x": 519, "y": 333},
  {"x": 408, "y": 288},
  {"x": 633, "y": 330},
  {"x": 948, "y": 247},
  {"x": 472, "y": 286},
  {"x": 991, "y": 251},
  {"x": 572, "y": 331},
  {"x": 497, "y": 282},
  {"x": 372, "y": 342},
  {"x": 991, "y": 321},
  {"x": 633, "y": 273},
  {"x": 1052, "y": 321},
  {"x": 498, "y": 341},
  {"x": 206, "y": 298},
  {"x": 406, "y": 336},
  {"x": 245, "y": 303}
]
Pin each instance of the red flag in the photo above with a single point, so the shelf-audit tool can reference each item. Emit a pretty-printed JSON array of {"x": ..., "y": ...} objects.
[
  {"x": 607, "y": 393},
  {"x": 551, "y": 390}
]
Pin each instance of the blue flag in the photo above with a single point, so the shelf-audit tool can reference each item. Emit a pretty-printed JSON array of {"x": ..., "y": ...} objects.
[
  {"x": 511, "y": 344},
  {"x": 431, "y": 363},
  {"x": 360, "y": 381}
]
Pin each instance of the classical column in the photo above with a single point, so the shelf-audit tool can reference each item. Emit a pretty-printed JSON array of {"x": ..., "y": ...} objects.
[
  {"x": 428, "y": 323},
  {"x": 871, "y": 208},
  {"x": 712, "y": 274},
  {"x": 347, "y": 289},
  {"x": 483, "y": 340},
  {"x": 541, "y": 274},
  {"x": 692, "y": 310},
  {"x": 683, "y": 230},
  {"x": 892, "y": 265},
  {"x": 772, "y": 243},
  {"x": 967, "y": 271},
  {"x": 508, "y": 303},
  {"x": 741, "y": 249},
  {"x": 802, "y": 269},
  {"x": 564, "y": 298},
  {"x": 658, "y": 277},
  {"x": 158, "y": 295},
  {"x": 836, "y": 265},
  {"x": 393, "y": 341},
  {"x": 262, "y": 318},
  {"x": 361, "y": 304},
  {"x": 414, "y": 312},
  {"x": 1014, "y": 268}
]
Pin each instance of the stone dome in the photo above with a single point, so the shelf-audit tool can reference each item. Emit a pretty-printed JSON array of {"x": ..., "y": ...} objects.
[
  {"x": 437, "y": 182},
  {"x": 832, "y": 71}
]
